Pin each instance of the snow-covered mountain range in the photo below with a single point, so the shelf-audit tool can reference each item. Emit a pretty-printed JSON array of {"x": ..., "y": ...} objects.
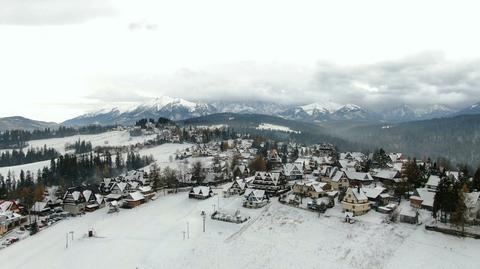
[
  {"x": 178, "y": 109},
  {"x": 405, "y": 112}
]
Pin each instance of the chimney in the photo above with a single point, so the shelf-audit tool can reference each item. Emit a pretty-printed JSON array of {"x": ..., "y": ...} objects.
[{"x": 358, "y": 188}]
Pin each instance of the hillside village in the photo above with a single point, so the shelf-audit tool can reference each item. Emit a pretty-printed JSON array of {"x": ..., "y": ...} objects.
[{"x": 213, "y": 162}]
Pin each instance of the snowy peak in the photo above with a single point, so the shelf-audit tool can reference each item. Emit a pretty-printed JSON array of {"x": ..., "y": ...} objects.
[
  {"x": 325, "y": 111},
  {"x": 167, "y": 101},
  {"x": 165, "y": 106},
  {"x": 321, "y": 108}
]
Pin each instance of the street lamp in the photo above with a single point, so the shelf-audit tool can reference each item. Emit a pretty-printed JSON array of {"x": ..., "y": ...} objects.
[{"x": 203, "y": 216}]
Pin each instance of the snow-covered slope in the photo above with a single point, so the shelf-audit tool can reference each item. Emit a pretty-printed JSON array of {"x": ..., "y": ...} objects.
[
  {"x": 276, "y": 236},
  {"x": 470, "y": 110}
]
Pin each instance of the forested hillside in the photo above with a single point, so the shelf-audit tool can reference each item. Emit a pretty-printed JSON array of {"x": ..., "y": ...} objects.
[{"x": 457, "y": 138}]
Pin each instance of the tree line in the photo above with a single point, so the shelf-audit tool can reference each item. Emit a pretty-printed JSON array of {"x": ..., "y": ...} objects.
[
  {"x": 18, "y": 157},
  {"x": 80, "y": 146}
]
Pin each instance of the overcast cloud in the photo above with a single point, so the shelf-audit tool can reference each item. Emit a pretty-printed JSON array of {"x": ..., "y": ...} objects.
[
  {"x": 62, "y": 58},
  {"x": 53, "y": 12}
]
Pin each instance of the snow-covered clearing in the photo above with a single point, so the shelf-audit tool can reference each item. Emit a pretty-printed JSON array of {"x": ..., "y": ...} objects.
[
  {"x": 32, "y": 167},
  {"x": 274, "y": 127},
  {"x": 161, "y": 153},
  {"x": 276, "y": 236},
  {"x": 112, "y": 138}
]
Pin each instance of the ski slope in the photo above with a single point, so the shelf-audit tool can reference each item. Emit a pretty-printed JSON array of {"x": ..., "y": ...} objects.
[{"x": 277, "y": 236}]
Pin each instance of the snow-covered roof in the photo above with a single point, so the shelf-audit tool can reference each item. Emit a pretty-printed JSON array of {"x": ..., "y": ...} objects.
[
  {"x": 5, "y": 205},
  {"x": 373, "y": 193},
  {"x": 359, "y": 195},
  {"x": 360, "y": 176},
  {"x": 145, "y": 189},
  {"x": 76, "y": 195},
  {"x": 386, "y": 173},
  {"x": 433, "y": 181},
  {"x": 39, "y": 206},
  {"x": 113, "y": 196},
  {"x": 297, "y": 168},
  {"x": 338, "y": 175},
  {"x": 87, "y": 194},
  {"x": 254, "y": 192},
  {"x": 201, "y": 190},
  {"x": 99, "y": 198},
  {"x": 135, "y": 196},
  {"x": 427, "y": 196}
]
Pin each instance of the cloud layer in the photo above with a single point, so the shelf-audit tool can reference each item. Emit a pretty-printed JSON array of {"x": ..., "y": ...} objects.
[{"x": 418, "y": 80}]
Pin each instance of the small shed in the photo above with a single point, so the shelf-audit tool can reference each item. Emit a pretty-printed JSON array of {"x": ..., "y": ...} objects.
[
  {"x": 134, "y": 199},
  {"x": 409, "y": 215}
]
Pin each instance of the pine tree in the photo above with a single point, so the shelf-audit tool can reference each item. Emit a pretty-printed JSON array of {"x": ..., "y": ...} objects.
[{"x": 459, "y": 213}]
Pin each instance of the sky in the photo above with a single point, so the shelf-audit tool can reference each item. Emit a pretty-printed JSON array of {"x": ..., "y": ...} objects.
[{"x": 62, "y": 58}]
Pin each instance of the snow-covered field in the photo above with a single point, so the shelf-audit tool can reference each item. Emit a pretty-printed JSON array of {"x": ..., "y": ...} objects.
[
  {"x": 112, "y": 138},
  {"x": 276, "y": 236},
  {"x": 274, "y": 127}
]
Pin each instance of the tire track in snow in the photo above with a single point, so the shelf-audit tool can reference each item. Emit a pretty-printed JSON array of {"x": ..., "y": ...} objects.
[{"x": 246, "y": 226}]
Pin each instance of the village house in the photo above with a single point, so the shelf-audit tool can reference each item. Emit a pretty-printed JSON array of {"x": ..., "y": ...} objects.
[
  {"x": 423, "y": 198},
  {"x": 358, "y": 178},
  {"x": 255, "y": 198},
  {"x": 408, "y": 215},
  {"x": 9, "y": 205},
  {"x": 273, "y": 183},
  {"x": 240, "y": 171},
  {"x": 40, "y": 208},
  {"x": 147, "y": 192},
  {"x": 338, "y": 180},
  {"x": 200, "y": 192},
  {"x": 293, "y": 171},
  {"x": 389, "y": 177},
  {"x": 90, "y": 200},
  {"x": 238, "y": 187},
  {"x": 356, "y": 202},
  {"x": 10, "y": 220},
  {"x": 377, "y": 195},
  {"x": 73, "y": 201},
  {"x": 309, "y": 188},
  {"x": 52, "y": 196},
  {"x": 120, "y": 188}
]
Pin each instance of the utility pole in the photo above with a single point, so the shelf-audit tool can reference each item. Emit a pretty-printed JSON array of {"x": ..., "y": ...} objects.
[
  {"x": 188, "y": 231},
  {"x": 66, "y": 237},
  {"x": 203, "y": 216}
]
